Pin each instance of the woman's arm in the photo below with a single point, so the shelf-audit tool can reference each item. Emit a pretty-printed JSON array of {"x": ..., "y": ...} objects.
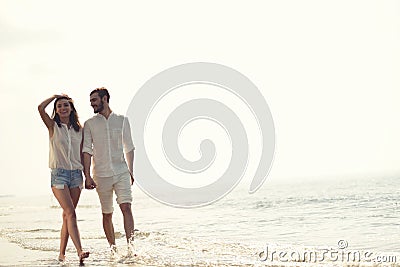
[{"x": 45, "y": 117}]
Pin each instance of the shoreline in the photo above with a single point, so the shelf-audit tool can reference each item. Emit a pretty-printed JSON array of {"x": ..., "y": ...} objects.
[{"x": 12, "y": 254}]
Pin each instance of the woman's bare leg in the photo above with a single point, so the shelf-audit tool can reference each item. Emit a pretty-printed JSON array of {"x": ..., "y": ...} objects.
[
  {"x": 64, "y": 198},
  {"x": 75, "y": 193},
  {"x": 63, "y": 238}
]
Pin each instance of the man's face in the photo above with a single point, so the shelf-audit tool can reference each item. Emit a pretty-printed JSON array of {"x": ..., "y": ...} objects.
[{"x": 96, "y": 103}]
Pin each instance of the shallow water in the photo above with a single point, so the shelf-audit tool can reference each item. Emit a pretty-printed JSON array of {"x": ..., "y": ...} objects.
[{"x": 240, "y": 229}]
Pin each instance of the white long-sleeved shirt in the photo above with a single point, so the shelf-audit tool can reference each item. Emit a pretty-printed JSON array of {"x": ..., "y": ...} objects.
[
  {"x": 65, "y": 148},
  {"x": 107, "y": 140}
]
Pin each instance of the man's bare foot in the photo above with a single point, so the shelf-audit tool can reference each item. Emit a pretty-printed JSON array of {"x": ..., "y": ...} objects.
[
  {"x": 114, "y": 251},
  {"x": 83, "y": 256},
  {"x": 131, "y": 250}
]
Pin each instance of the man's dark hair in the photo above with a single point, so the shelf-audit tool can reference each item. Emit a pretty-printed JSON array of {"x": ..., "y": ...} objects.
[{"x": 102, "y": 91}]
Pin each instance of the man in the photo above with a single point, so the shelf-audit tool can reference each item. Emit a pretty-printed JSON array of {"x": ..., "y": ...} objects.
[{"x": 106, "y": 137}]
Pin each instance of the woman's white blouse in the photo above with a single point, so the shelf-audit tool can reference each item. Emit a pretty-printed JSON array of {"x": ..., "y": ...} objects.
[{"x": 65, "y": 148}]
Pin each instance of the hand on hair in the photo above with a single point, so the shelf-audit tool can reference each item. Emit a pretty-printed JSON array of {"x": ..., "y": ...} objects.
[{"x": 60, "y": 96}]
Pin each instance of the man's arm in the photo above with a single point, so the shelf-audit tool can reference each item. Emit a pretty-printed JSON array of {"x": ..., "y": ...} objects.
[
  {"x": 87, "y": 152},
  {"x": 129, "y": 148},
  {"x": 87, "y": 159},
  {"x": 129, "y": 159}
]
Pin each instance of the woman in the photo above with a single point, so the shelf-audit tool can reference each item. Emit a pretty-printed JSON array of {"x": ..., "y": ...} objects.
[{"x": 65, "y": 133}]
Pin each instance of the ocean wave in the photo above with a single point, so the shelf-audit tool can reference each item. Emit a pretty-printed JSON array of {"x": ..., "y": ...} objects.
[
  {"x": 7, "y": 196},
  {"x": 166, "y": 249},
  {"x": 37, "y": 230}
]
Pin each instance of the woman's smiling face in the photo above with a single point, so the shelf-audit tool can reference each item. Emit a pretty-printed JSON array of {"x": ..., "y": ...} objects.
[{"x": 63, "y": 108}]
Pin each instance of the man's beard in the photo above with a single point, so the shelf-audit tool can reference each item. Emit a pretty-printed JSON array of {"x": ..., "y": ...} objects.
[{"x": 100, "y": 107}]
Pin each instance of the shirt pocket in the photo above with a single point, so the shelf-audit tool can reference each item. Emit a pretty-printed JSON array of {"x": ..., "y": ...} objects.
[{"x": 116, "y": 137}]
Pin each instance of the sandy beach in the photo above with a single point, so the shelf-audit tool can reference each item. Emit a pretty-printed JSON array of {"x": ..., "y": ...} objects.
[{"x": 13, "y": 255}]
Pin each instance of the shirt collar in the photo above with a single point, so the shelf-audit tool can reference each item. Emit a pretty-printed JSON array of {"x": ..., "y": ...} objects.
[
  {"x": 101, "y": 116},
  {"x": 66, "y": 125}
]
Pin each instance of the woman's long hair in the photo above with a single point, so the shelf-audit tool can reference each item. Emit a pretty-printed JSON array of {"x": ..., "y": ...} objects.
[{"x": 73, "y": 117}]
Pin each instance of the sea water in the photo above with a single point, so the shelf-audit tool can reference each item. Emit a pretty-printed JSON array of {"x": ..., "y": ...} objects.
[{"x": 348, "y": 222}]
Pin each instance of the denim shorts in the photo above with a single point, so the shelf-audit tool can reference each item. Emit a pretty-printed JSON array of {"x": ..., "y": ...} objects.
[{"x": 70, "y": 178}]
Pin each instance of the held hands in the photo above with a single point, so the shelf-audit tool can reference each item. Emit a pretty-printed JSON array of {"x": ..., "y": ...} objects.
[{"x": 89, "y": 183}]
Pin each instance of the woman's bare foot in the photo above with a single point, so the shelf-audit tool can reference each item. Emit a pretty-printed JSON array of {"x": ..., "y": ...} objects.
[
  {"x": 83, "y": 256},
  {"x": 61, "y": 258}
]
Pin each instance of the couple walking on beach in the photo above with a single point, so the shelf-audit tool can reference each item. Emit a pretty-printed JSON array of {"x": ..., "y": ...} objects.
[{"x": 105, "y": 137}]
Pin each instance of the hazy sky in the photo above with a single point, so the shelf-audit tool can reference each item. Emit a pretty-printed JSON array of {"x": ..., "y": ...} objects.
[{"x": 329, "y": 70}]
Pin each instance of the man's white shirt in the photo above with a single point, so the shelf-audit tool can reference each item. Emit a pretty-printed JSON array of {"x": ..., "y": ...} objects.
[{"x": 107, "y": 140}]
